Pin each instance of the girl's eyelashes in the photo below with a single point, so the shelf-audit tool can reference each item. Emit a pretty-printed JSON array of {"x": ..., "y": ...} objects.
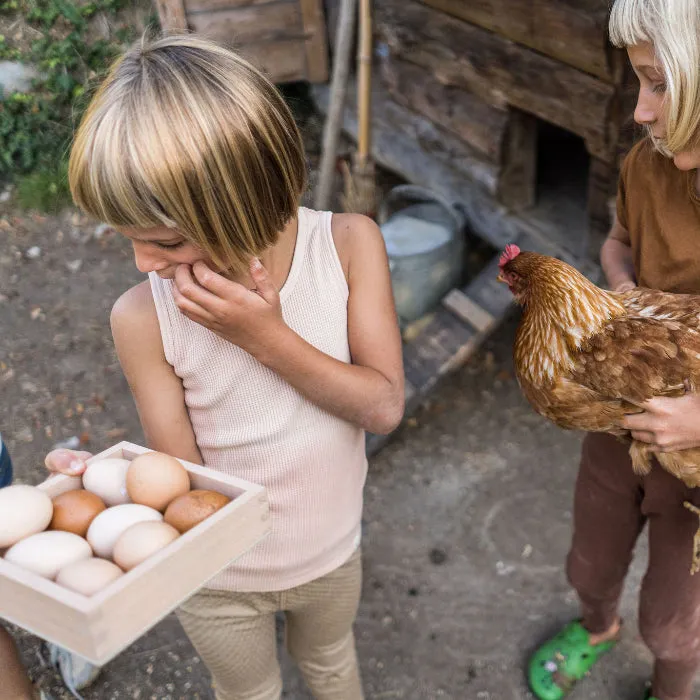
[
  {"x": 169, "y": 246},
  {"x": 659, "y": 88}
]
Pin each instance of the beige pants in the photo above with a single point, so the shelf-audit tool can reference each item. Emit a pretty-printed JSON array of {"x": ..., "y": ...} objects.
[{"x": 234, "y": 633}]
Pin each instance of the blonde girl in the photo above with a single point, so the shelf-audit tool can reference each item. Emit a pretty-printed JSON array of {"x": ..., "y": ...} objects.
[
  {"x": 263, "y": 344},
  {"x": 654, "y": 243}
]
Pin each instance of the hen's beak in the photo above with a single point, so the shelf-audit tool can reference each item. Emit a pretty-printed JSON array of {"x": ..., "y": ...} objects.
[{"x": 501, "y": 278}]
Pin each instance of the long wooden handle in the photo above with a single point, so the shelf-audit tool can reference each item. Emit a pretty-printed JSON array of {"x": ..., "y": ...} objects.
[
  {"x": 364, "y": 83},
  {"x": 336, "y": 107}
]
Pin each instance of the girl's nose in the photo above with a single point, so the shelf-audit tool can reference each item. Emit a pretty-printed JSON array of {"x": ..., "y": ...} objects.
[
  {"x": 147, "y": 262},
  {"x": 646, "y": 112}
]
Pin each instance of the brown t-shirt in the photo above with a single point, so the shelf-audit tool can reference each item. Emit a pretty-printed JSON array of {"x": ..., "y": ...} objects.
[{"x": 658, "y": 205}]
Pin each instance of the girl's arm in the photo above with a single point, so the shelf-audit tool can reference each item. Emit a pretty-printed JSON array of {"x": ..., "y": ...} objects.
[
  {"x": 370, "y": 391},
  {"x": 616, "y": 259},
  {"x": 157, "y": 390}
]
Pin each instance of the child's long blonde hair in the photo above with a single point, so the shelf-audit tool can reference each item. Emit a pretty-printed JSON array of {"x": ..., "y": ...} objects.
[
  {"x": 186, "y": 134},
  {"x": 673, "y": 28}
]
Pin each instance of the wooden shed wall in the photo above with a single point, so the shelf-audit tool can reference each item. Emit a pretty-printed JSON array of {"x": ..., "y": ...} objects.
[{"x": 285, "y": 38}]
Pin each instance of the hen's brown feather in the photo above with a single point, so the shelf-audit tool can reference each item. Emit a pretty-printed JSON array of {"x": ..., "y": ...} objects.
[{"x": 585, "y": 357}]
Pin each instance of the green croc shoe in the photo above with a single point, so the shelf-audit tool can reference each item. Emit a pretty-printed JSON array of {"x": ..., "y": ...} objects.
[{"x": 564, "y": 660}]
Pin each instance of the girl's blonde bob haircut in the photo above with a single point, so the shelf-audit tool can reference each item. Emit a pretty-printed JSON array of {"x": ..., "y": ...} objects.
[
  {"x": 184, "y": 133},
  {"x": 673, "y": 28}
]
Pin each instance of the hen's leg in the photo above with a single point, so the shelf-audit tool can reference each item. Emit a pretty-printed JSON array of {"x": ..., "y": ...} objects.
[
  {"x": 670, "y": 596},
  {"x": 607, "y": 523}
]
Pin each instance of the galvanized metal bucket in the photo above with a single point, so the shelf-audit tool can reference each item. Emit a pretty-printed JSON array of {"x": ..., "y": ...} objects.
[{"x": 424, "y": 236}]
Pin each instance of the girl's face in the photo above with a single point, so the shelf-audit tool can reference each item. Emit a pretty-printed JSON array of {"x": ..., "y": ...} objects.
[
  {"x": 650, "y": 102},
  {"x": 161, "y": 250}
]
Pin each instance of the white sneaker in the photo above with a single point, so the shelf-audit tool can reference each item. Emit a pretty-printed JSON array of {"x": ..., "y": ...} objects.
[{"x": 77, "y": 673}]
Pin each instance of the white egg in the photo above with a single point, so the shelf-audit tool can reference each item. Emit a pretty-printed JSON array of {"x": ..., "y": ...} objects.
[
  {"x": 46, "y": 553},
  {"x": 107, "y": 527},
  {"x": 88, "y": 576},
  {"x": 142, "y": 540},
  {"x": 107, "y": 479},
  {"x": 24, "y": 511}
]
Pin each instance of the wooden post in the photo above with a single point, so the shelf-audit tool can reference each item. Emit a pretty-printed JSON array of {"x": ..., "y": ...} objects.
[
  {"x": 517, "y": 183},
  {"x": 602, "y": 181},
  {"x": 315, "y": 40},
  {"x": 172, "y": 14}
]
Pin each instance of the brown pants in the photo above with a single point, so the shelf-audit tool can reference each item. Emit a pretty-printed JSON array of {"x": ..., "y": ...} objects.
[
  {"x": 234, "y": 633},
  {"x": 611, "y": 506}
]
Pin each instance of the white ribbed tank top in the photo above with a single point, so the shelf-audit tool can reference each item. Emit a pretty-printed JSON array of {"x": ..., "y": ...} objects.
[{"x": 252, "y": 424}]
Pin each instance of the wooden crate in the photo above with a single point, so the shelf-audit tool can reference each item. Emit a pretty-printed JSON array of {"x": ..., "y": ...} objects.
[
  {"x": 285, "y": 38},
  {"x": 101, "y": 626}
]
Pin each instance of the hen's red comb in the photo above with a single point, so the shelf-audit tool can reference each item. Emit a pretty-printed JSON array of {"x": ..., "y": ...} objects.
[{"x": 511, "y": 251}]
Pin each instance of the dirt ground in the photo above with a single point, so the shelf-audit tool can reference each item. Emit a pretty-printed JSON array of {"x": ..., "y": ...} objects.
[{"x": 468, "y": 510}]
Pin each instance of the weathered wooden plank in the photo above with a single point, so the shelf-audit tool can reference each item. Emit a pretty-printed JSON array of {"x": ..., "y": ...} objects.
[
  {"x": 499, "y": 71},
  {"x": 433, "y": 352},
  {"x": 489, "y": 295},
  {"x": 415, "y": 147},
  {"x": 572, "y": 31},
  {"x": 282, "y": 61},
  {"x": 467, "y": 310},
  {"x": 517, "y": 182},
  {"x": 244, "y": 25},
  {"x": 400, "y": 143},
  {"x": 209, "y": 5},
  {"x": 480, "y": 124},
  {"x": 315, "y": 40},
  {"x": 171, "y": 14}
]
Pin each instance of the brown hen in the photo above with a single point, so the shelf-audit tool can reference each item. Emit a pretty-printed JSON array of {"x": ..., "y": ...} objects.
[{"x": 584, "y": 357}]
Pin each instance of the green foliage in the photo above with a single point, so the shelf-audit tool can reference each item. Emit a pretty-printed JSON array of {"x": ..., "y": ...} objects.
[
  {"x": 70, "y": 56},
  {"x": 44, "y": 190}
]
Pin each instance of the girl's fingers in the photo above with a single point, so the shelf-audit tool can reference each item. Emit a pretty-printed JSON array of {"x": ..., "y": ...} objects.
[
  {"x": 192, "y": 309},
  {"x": 217, "y": 285},
  {"x": 264, "y": 286},
  {"x": 189, "y": 287},
  {"x": 68, "y": 462},
  {"x": 644, "y": 436}
]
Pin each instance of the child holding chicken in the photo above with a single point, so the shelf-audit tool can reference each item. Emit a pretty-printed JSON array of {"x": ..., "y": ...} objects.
[{"x": 653, "y": 244}]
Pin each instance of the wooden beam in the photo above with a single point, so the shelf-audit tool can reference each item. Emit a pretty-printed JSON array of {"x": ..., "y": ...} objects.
[
  {"x": 499, "y": 71},
  {"x": 572, "y": 31}
]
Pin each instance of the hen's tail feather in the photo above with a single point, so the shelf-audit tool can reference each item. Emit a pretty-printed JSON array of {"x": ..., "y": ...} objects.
[
  {"x": 695, "y": 566},
  {"x": 640, "y": 454}
]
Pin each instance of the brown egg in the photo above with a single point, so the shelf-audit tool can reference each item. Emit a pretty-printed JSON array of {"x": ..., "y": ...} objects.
[
  {"x": 189, "y": 510},
  {"x": 73, "y": 511},
  {"x": 154, "y": 479}
]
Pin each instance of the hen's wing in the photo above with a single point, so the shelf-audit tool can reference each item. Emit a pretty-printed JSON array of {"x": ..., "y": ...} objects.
[
  {"x": 632, "y": 360},
  {"x": 574, "y": 406},
  {"x": 636, "y": 359}
]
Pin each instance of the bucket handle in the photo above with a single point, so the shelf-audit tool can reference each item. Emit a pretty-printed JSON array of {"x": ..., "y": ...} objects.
[{"x": 419, "y": 194}]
